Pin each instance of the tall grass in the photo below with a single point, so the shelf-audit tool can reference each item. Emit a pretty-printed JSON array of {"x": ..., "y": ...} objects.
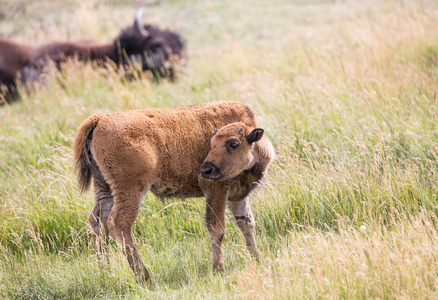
[{"x": 346, "y": 90}]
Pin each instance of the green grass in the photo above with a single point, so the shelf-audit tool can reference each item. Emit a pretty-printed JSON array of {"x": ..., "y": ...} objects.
[{"x": 346, "y": 91}]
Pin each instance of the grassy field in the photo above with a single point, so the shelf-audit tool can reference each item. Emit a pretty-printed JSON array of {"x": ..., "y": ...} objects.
[{"x": 346, "y": 91}]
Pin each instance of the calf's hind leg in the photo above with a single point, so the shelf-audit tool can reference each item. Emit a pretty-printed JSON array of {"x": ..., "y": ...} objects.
[
  {"x": 103, "y": 203},
  {"x": 245, "y": 221},
  {"x": 120, "y": 222}
]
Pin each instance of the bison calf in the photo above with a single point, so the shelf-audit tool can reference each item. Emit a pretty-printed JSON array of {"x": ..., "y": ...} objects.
[{"x": 213, "y": 150}]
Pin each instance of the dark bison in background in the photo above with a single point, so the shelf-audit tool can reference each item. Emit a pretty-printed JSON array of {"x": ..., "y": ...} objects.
[{"x": 156, "y": 49}]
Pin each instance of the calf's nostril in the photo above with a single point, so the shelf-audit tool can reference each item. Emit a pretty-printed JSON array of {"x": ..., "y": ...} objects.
[
  {"x": 209, "y": 171},
  {"x": 206, "y": 172}
]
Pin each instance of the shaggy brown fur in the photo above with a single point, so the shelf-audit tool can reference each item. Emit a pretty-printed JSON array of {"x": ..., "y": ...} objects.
[
  {"x": 173, "y": 153},
  {"x": 147, "y": 44}
]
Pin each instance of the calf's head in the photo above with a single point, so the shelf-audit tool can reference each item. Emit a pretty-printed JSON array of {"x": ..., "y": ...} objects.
[{"x": 232, "y": 152}]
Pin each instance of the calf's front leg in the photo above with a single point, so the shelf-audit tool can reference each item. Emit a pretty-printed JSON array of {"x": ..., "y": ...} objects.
[
  {"x": 245, "y": 221},
  {"x": 216, "y": 200}
]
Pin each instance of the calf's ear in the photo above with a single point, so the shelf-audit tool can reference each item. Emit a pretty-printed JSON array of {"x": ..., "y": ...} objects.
[{"x": 255, "y": 135}]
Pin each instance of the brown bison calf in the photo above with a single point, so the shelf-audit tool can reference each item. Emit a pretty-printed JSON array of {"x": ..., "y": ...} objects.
[{"x": 213, "y": 150}]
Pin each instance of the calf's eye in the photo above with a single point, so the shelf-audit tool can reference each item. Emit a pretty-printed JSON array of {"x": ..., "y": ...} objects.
[{"x": 233, "y": 145}]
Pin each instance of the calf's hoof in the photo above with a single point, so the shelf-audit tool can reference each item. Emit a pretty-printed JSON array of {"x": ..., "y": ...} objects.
[
  {"x": 144, "y": 277},
  {"x": 255, "y": 254},
  {"x": 219, "y": 268}
]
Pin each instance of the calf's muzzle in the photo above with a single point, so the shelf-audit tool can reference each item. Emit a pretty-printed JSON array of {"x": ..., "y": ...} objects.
[{"x": 210, "y": 171}]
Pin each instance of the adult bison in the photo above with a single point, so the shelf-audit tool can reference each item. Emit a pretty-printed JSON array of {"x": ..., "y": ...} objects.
[
  {"x": 214, "y": 150},
  {"x": 146, "y": 44}
]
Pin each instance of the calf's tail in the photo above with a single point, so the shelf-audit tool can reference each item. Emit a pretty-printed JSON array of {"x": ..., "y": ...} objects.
[{"x": 83, "y": 158}]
